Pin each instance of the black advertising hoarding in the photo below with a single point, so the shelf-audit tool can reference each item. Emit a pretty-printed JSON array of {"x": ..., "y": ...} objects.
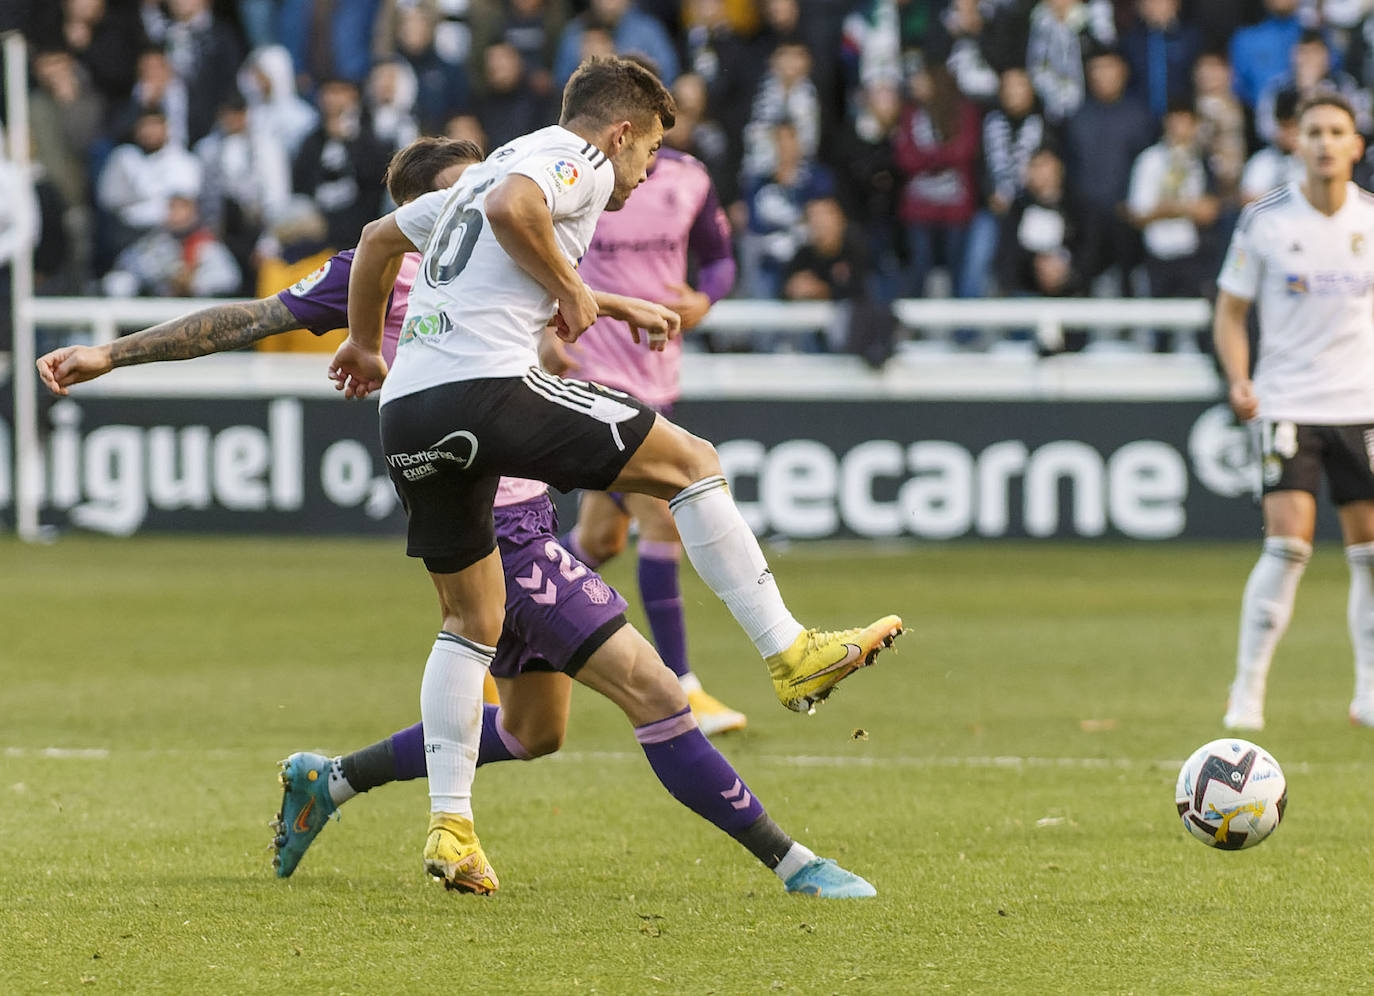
[
  {"x": 281, "y": 465},
  {"x": 985, "y": 469},
  {"x": 805, "y": 469}
]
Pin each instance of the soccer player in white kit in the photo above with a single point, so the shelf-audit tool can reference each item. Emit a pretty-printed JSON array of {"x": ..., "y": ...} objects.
[
  {"x": 465, "y": 404},
  {"x": 1305, "y": 252},
  {"x": 643, "y": 251}
]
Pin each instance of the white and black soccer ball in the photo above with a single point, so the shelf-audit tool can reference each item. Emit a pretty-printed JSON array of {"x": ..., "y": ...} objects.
[{"x": 1231, "y": 794}]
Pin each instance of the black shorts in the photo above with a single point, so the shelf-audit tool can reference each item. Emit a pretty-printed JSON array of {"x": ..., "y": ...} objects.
[
  {"x": 447, "y": 447},
  {"x": 1294, "y": 456}
]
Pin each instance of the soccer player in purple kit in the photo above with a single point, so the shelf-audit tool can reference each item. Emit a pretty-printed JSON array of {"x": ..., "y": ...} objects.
[
  {"x": 562, "y": 619},
  {"x": 643, "y": 250},
  {"x": 465, "y": 404}
]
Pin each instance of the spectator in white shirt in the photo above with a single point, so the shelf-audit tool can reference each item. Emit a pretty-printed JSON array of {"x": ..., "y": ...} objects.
[
  {"x": 140, "y": 176},
  {"x": 1171, "y": 200}
]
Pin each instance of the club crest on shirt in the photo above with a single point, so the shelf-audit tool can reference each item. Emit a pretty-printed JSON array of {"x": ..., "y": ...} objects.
[
  {"x": 1357, "y": 244},
  {"x": 563, "y": 172},
  {"x": 310, "y": 281}
]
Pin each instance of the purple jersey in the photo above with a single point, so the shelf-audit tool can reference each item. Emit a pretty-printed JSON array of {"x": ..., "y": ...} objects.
[
  {"x": 641, "y": 250},
  {"x": 320, "y": 303}
]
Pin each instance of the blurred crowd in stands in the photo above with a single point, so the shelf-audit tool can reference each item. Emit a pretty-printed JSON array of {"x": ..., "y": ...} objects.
[{"x": 866, "y": 149}]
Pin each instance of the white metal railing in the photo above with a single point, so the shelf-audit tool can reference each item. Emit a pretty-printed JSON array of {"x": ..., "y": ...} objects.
[{"x": 107, "y": 318}]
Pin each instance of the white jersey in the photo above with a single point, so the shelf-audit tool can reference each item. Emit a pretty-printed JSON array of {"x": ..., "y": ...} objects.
[
  {"x": 473, "y": 311},
  {"x": 1313, "y": 278}
]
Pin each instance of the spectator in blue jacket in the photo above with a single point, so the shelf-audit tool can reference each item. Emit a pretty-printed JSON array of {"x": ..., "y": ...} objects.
[
  {"x": 1260, "y": 53},
  {"x": 634, "y": 32},
  {"x": 1102, "y": 140},
  {"x": 1160, "y": 50}
]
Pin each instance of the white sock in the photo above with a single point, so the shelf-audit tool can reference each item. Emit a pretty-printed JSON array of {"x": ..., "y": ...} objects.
[
  {"x": 725, "y": 553},
  {"x": 340, "y": 791},
  {"x": 1265, "y": 609},
  {"x": 797, "y": 856},
  {"x": 1360, "y": 615},
  {"x": 451, "y": 709}
]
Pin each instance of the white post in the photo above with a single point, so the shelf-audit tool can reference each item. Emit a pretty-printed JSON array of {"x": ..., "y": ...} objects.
[{"x": 28, "y": 469}]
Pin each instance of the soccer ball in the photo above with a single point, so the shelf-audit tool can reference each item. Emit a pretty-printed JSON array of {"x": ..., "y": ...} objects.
[{"x": 1231, "y": 794}]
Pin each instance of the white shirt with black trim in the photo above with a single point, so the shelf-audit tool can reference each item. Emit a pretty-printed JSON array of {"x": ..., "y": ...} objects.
[
  {"x": 473, "y": 312},
  {"x": 1313, "y": 278}
]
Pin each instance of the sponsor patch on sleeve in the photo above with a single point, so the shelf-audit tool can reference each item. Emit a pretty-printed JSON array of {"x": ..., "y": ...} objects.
[
  {"x": 564, "y": 172},
  {"x": 309, "y": 282}
]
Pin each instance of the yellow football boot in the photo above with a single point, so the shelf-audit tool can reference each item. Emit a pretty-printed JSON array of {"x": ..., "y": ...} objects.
[
  {"x": 713, "y": 715},
  {"x": 454, "y": 855},
  {"x": 808, "y": 671}
]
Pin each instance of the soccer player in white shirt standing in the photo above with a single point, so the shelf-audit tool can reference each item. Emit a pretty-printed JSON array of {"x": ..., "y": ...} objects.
[
  {"x": 1306, "y": 253},
  {"x": 465, "y": 404}
]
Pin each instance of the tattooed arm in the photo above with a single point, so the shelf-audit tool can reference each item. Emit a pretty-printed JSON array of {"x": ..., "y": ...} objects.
[{"x": 211, "y": 330}]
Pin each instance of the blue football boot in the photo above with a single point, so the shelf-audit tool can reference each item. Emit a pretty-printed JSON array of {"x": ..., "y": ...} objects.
[
  {"x": 822, "y": 877},
  {"x": 305, "y": 809}
]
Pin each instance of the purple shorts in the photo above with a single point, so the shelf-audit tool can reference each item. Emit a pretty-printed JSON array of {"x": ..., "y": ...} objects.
[{"x": 558, "y": 610}]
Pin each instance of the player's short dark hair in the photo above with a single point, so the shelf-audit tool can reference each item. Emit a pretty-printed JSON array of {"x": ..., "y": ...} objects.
[
  {"x": 1327, "y": 98},
  {"x": 607, "y": 89},
  {"x": 1180, "y": 104},
  {"x": 640, "y": 59},
  {"x": 412, "y": 169},
  {"x": 1286, "y": 105}
]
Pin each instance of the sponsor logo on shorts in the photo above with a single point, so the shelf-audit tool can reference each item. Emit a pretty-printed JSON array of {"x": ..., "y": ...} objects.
[
  {"x": 1273, "y": 470},
  {"x": 563, "y": 172},
  {"x": 309, "y": 282},
  {"x": 597, "y": 591},
  {"x": 1369, "y": 448},
  {"x": 459, "y": 448},
  {"x": 423, "y": 325}
]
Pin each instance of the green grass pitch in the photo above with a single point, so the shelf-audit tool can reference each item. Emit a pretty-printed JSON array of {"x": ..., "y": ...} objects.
[{"x": 1010, "y": 796}]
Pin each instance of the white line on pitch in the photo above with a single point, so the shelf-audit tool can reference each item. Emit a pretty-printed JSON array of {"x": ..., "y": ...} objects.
[{"x": 1008, "y": 762}]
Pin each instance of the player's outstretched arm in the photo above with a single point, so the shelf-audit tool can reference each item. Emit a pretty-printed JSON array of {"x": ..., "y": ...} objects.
[
  {"x": 1232, "y": 345},
  {"x": 660, "y": 321},
  {"x": 358, "y": 368},
  {"x": 520, "y": 219},
  {"x": 210, "y": 330}
]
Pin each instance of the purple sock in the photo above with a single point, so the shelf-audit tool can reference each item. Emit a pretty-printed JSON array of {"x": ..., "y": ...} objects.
[
  {"x": 697, "y": 775},
  {"x": 658, "y": 588},
  {"x": 497, "y": 743},
  {"x": 408, "y": 747},
  {"x": 408, "y": 753},
  {"x": 570, "y": 543}
]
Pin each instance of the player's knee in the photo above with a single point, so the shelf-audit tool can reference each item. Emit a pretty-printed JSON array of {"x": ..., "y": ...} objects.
[
  {"x": 481, "y": 624},
  {"x": 700, "y": 459},
  {"x": 601, "y": 543},
  {"x": 542, "y": 742},
  {"x": 537, "y": 730}
]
